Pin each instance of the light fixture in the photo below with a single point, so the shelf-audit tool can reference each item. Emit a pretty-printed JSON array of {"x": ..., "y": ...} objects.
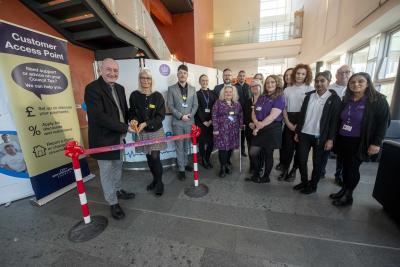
[{"x": 227, "y": 33}]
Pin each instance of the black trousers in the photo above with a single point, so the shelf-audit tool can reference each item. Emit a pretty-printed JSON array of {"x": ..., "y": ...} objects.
[
  {"x": 154, "y": 163},
  {"x": 267, "y": 156},
  {"x": 249, "y": 134},
  {"x": 242, "y": 140},
  {"x": 224, "y": 156},
  {"x": 319, "y": 157},
  {"x": 289, "y": 146},
  {"x": 348, "y": 148},
  {"x": 206, "y": 142}
]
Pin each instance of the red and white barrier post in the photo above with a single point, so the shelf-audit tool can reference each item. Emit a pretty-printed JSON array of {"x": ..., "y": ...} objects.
[
  {"x": 196, "y": 190},
  {"x": 89, "y": 227}
]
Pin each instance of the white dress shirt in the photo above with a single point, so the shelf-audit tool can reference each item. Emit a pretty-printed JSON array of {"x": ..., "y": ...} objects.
[
  {"x": 314, "y": 112},
  {"x": 339, "y": 89}
]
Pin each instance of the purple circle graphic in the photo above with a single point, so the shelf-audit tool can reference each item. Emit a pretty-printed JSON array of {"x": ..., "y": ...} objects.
[{"x": 164, "y": 69}]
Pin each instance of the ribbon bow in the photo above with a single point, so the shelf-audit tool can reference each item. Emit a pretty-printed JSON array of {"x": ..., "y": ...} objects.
[
  {"x": 72, "y": 149},
  {"x": 195, "y": 130}
]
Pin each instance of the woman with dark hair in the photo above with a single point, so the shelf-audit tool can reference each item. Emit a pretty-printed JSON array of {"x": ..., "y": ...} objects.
[
  {"x": 203, "y": 119},
  {"x": 227, "y": 118},
  {"x": 294, "y": 96},
  {"x": 267, "y": 118},
  {"x": 146, "y": 112},
  {"x": 287, "y": 81},
  {"x": 364, "y": 118},
  {"x": 255, "y": 90},
  {"x": 316, "y": 129},
  {"x": 260, "y": 77}
]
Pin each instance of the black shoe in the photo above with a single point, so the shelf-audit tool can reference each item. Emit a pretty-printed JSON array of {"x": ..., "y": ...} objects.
[
  {"x": 338, "y": 195},
  {"x": 159, "y": 189},
  {"x": 291, "y": 176},
  {"x": 279, "y": 167},
  {"x": 262, "y": 180},
  {"x": 283, "y": 175},
  {"x": 116, "y": 212},
  {"x": 122, "y": 194},
  {"x": 309, "y": 189},
  {"x": 244, "y": 153},
  {"x": 252, "y": 178},
  {"x": 188, "y": 168},
  {"x": 228, "y": 169},
  {"x": 300, "y": 186},
  {"x": 151, "y": 186},
  {"x": 345, "y": 200},
  {"x": 181, "y": 176},
  {"x": 222, "y": 173}
]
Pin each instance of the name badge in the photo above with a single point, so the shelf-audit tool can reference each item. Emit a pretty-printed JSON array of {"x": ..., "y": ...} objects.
[
  {"x": 184, "y": 97},
  {"x": 231, "y": 118},
  {"x": 231, "y": 113},
  {"x": 152, "y": 106},
  {"x": 184, "y": 105},
  {"x": 347, "y": 127},
  {"x": 258, "y": 108},
  {"x": 207, "y": 110}
]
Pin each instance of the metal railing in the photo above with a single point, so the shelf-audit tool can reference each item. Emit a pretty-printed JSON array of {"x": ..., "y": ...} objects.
[
  {"x": 133, "y": 15},
  {"x": 274, "y": 31}
]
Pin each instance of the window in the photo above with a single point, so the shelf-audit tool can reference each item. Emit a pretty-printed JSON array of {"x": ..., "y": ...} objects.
[
  {"x": 393, "y": 55},
  {"x": 333, "y": 66},
  {"x": 359, "y": 59},
  {"x": 272, "y": 8}
]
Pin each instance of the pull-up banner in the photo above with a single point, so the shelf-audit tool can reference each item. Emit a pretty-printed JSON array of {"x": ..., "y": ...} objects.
[{"x": 36, "y": 83}]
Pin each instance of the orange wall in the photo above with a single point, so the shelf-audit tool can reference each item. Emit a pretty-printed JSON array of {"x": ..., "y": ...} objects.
[
  {"x": 80, "y": 59},
  {"x": 179, "y": 37},
  {"x": 203, "y": 24}
]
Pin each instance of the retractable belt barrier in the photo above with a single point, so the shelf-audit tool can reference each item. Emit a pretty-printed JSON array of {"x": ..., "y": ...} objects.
[{"x": 90, "y": 227}]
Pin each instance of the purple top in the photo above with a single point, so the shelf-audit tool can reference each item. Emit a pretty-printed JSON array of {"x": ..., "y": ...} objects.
[
  {"x": 351, "y": 117},
  {"x": 265, "y": 104}
]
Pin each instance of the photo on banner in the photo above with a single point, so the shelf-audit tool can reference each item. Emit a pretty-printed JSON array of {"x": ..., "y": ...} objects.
[{"x": 36, "y": 85}]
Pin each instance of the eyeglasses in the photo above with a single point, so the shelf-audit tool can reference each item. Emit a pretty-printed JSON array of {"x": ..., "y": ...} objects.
[
  {"x": 145, "y": 78},
  {"x": 344, "y": 72}
]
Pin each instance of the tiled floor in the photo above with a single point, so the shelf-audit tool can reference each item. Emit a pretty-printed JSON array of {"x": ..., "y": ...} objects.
[{"x": 236, "y": 224}]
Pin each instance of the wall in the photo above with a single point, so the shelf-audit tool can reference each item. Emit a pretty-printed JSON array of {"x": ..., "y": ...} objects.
[
  {"x": 179, "y": 37},
  {"x": 330, "y": 27},
  {"x": 80, "y": 59},
  {"x": 249, "y": 65},
  {"x": 203, "y": 24}
]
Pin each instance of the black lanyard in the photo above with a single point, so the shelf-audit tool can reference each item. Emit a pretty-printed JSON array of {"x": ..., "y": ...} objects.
[{"x": 207, "y": 99}]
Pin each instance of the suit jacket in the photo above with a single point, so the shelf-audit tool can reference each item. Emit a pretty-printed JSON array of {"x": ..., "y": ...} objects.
[
  {"x": 175, "y": 101},
  {"x": 218, "y": 88},
  {"x": 243, "y": 93},
  {"x": 105, "y": 128}
]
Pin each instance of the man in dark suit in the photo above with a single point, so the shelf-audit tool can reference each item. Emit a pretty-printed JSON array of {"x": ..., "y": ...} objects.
[
  {"x": 107, "y": 112},
  {"x": 243, "y": 90},
  {"x": 227, "y": 77}
]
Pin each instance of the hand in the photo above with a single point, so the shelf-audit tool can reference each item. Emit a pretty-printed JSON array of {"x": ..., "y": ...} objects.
[
  {"x": 216, "y": 133},
  {"x": 296, "y": 138},
  {"x": 328, "y": 145},
  {"x": 209, "y": 122},
  {"x": 255, "y": 131},
  {"x": 206, "y": 123},
  {"x": 133, "y": 125},
  {"x": 292, "y": 127},
  {"x": 141, "y": 127},
  {"x": 373, "y": 149},
  {"x": 131, "y": 130},
  {"x": 259, "y": 124},
  {"x": 252, "y": 125},
  {"x": 186, "y": 117}
]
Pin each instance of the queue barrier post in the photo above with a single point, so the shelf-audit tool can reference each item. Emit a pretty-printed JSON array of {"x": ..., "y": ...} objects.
[
  {"x": 89, "y": 227},
  {"x": 196, "y": 190}
]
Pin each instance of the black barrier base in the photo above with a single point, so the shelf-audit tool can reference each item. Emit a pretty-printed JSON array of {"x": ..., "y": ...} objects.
[
  {"x": 196, "y": 191},
  {"x": 82, "y": 232}
]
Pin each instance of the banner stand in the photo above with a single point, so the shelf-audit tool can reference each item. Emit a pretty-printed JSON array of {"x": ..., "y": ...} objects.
[{"x": 40, "y": 202}]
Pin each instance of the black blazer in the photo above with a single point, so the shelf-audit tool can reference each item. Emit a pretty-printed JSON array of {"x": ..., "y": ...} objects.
[
  {"x": 329, "y": 119},
  {"x": 201, "y": 116},
  {"x": 149, "y": 109},
  {"x": 243, "y": 93},
  {"x": 375, "y": 121},
  {"x": 217, "y": 89},
  {"x": 105, "y": 128}
]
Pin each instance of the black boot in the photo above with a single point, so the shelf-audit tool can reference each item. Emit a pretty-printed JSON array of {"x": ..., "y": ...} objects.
[
  {"x": 159, "y": 189},
  {"x": 283, "y": 174},
  {"x": 345, "y": 200},
  {"x": 291, "y": 176},
  {"x": 151, "y": 186},
  {"x": 228, "y": 169},
  {"x": 222, "y": 173},
  {"x": 116, "y": 212},
  {"x": 338, "y": 195}
]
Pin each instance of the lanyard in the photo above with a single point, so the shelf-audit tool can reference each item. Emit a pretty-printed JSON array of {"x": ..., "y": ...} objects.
[{"x": 207, "y": 99}]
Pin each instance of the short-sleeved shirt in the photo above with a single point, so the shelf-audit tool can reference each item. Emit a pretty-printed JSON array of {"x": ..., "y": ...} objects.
[
  {"x": 339, "y": 89},
  {"x": 351, "y": 117},
  {"x": 314, "y": 111},
  {"x": 15, "y": 162},
  {"x": 294, "y": 96},
  {"x": 265, "y": 104}
]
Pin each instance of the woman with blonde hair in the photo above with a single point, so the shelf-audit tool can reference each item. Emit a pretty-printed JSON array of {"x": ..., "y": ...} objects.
[
  {"x": 146, "y": 112},
  {"x": 227, "y": 118}
]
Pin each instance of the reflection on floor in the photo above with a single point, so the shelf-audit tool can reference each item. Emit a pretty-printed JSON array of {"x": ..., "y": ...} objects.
[{"x": 236, "y": 224}]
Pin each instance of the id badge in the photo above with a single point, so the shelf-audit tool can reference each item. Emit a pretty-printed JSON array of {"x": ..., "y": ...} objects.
[
  {"x": 231, "y": 118},
  {"x": 184, "y": 98},
  {"x": 184, "y": 105},
  {"x": 152, "y": 106},
  {"x": 231, "y": 113},
  {"x": 207, "y": 110},
  {"x": 258, "y": 108},
  {"x": 347, "y": 127}
]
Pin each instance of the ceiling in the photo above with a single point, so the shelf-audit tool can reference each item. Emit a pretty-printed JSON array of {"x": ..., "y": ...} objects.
[{"x": 178, "y": 6}]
